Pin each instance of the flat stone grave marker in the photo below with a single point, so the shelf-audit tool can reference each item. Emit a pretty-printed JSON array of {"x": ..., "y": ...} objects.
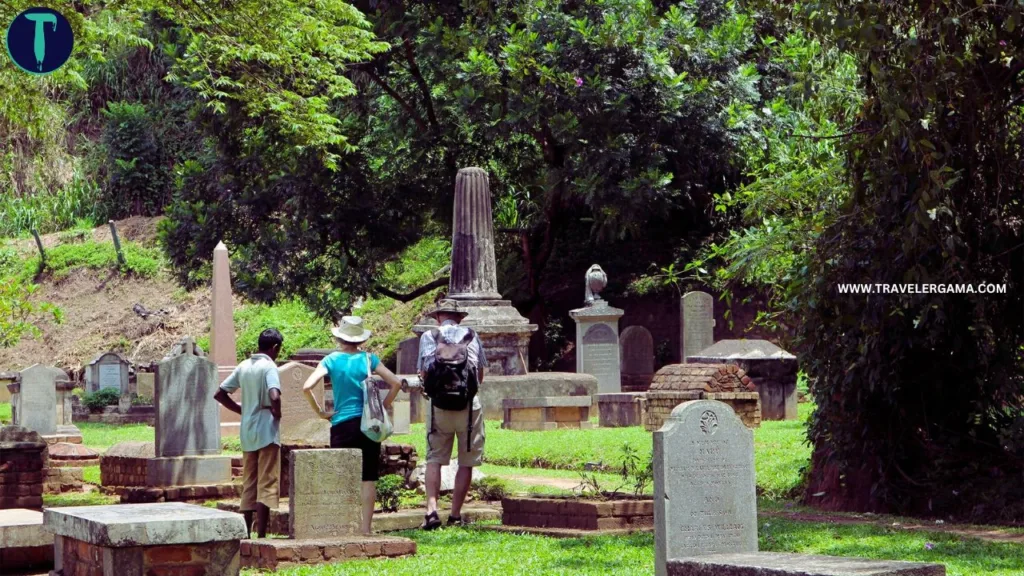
[
  {"x": 187, "y": 416},
  {"x": 108, "y": 370},
  {"x": 698, "y": 325},
  {"x": 36, "y": 407},
  {"x": 23, "y": 542},
  {"x": 324, "y": 493},
  {"x": 779, "y": 564},
  {"x": 704, "y": 494}
]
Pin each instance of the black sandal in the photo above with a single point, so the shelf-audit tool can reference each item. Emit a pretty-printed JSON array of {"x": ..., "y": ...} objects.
[
  {"x": 455, "y": 521},
  {"x": 431, "y": 522}
]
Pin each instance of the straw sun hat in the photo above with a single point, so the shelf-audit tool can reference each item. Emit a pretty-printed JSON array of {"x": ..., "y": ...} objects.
[
  {"x": 351, "y": 330},
  {"x": 447, "y": 307}
]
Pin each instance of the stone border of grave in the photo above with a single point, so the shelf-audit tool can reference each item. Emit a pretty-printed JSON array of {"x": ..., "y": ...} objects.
[
  {"x": 23, "y": 542},
  {"x": 547, "y": 413},
  {"x": 275, "y": 554},
  {"x": 617, "y": 513}
]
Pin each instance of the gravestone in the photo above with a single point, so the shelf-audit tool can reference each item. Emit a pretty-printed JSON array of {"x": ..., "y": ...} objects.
[
  {"x": 408, "y": 356},
  {"x": 401, "y": 414},
  {"x": 145, "y": 384},
  {"x": 187, "y": 416},
  {"x": 698, "y": 323},
  {"x": 704, "y": 494},
  {"x": 297, "y": 418},
  {"x": 772, "y": 370},
  {"x": 35, "y": 404},
  {"x": 108, "y": 370},
  {"x": 636, "y": 350},
  {"x": 318, "y": 508}
]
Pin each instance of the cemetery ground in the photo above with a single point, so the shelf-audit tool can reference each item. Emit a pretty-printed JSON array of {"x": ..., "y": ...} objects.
[{"x": 549, "y": 462}]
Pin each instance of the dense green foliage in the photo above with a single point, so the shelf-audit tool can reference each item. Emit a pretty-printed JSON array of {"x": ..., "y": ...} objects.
[
  {"x": 597, "y": 121},
  {"x": 100, "y": 399},
  {"x": 921, "y": 395}
]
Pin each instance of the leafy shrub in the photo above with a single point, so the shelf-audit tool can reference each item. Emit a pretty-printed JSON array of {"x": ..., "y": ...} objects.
[
  {"x": 96, "y": 401},
  {"x": 51, "y": 211},
  {"x": 389, "y": 492},
  {"x": 138, "y": 183},
  {"x": 492, "y": 488},
  {"x": 18, "y": 310},
  {"x": 141, "y": 401}
]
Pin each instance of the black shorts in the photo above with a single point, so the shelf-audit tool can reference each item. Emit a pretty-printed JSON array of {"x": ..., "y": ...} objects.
[{"x": 348, "y": 435}]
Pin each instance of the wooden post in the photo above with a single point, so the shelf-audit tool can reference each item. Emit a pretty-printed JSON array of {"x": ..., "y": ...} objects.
[
  {"x": 117, "y": 244},
  {"x": 42, "y": 253}
]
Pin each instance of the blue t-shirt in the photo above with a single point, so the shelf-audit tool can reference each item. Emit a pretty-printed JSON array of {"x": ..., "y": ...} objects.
[{"x": 347, "y": 372}]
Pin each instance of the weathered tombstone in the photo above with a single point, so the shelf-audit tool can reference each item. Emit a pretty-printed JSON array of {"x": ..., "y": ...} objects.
[
  {"x": 108, "y": 370},
  {"x": 145, "y": 384},
  {"x": 7, "y": 378},
  {"x": 35, "y": 404},
  {"x": 187, "y": 424},
  {"x": 408, "y": 356},
  {"x": 319, "y": 508},
  {"x": 704, "y": 493},
  {"x": 401, "y": 414},
  {"x": 295, "y": 411},
  {"x": 698, "y": 323},
  {"x": 636, "y": 350},
  {"x": 187, "y": 416}
]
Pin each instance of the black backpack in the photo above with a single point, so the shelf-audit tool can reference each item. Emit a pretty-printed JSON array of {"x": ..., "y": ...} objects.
[{"x": 450, "y": 382}]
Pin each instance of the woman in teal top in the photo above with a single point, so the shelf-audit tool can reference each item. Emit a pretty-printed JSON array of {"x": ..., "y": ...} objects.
[{"x": 347, "y": 368}]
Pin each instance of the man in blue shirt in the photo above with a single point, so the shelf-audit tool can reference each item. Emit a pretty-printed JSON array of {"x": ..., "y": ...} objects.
[{"x": 260, "y": 431}]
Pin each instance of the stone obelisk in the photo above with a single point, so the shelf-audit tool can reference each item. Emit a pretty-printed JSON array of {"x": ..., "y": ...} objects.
[
  {"x": 223, "y": 351},
  {"x": 504, "y": 332}
]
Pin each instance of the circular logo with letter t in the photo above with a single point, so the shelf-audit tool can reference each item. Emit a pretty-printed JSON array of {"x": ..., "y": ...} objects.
[{"x": 40, "y": 40}]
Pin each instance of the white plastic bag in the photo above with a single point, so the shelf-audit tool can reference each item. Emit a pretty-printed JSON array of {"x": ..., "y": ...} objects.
[{"x": 375, "y": 423}]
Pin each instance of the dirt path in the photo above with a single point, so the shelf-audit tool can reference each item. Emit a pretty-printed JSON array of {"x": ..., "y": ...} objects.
[{"x": 988, "y": 533}]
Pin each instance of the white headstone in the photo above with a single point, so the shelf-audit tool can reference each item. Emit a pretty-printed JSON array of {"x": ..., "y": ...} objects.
[
  {"x": 705, "y": 499},
  {"x": 108, "y": 370},
  {"x": 597, "y": 345},
  {"x": 698, "y": 323},
  {"x": 36, "y": 405}
]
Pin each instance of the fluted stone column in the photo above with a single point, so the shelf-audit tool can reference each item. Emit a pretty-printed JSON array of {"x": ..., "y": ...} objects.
[{"x": 473, "y": 273}]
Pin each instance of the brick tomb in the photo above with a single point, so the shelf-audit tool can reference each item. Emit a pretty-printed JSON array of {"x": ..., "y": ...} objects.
[
  {"x": 145, "y": 539},
  {"x": 22, "y": 468},
  {"x": 125, "y": 469},
  {"x": 620, "y": 410},
  {"x": 547, "y": 413},
  {"x": 618, "y": 515},
  {"x": 678, "y": 383}
]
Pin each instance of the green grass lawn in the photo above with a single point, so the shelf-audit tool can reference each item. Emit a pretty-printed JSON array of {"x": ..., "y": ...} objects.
[
  {"x": 5, "y": 413},
  {"x": 780, "y": 449},
  {"x": 468, "y": 552},
  {"x": 78, "y": 499}
]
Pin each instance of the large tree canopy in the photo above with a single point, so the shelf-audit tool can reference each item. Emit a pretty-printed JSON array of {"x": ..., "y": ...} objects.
[
  {"x": 921, "y": 395},
  {"x": 618, "y": 117}
]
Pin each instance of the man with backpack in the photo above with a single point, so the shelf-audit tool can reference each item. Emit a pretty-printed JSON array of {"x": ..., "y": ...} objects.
[{"x": 451, "y": 367}]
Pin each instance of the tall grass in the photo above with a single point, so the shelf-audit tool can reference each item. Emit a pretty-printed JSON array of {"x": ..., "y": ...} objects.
[{"x": 50, "y": 211}]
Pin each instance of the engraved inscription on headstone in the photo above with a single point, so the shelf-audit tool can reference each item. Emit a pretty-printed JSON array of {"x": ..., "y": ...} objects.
[
  {"x": 297, "y": 419},
  {"x": 110, "y": 376},
  {"x": 704, "y": 494},
  {"x": 187, "y": 416},
  {"x": 698, "y": 323},
  {"x": 324, "y": 490},
  {"x": 600, "y": 355}
]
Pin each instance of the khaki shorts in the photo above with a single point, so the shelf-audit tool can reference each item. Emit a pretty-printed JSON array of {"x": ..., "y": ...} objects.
[
  {"x": 446, "y": 427},
  {"x": 261, "y": 471}
]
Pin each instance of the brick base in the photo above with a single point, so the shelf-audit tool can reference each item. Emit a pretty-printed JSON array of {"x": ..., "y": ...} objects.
[
  {"x": 62, "y": 479},
  {"x": 578, "y": 515},
  {"x": 139, "y": 494},
  {"x": 39, "y": 557},
  {"x": 76, "y": 557},
  {"x": 274, "y": 554}
]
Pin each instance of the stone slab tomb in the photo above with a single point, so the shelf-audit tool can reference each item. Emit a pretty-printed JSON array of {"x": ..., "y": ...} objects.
[
  {"x": 697, "y": 327},
  {"x": 636, "y": 351},
  {"x": 23, "y": 542},
  {"x": 772, "y": 370},
  {"x": 678, "y": 383},
  {"x": 776, "y": 564},
  {"x": 145, "y": 539},
  {"x": 620, "y": 410},
  {"x": 548, "y": 413}
]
